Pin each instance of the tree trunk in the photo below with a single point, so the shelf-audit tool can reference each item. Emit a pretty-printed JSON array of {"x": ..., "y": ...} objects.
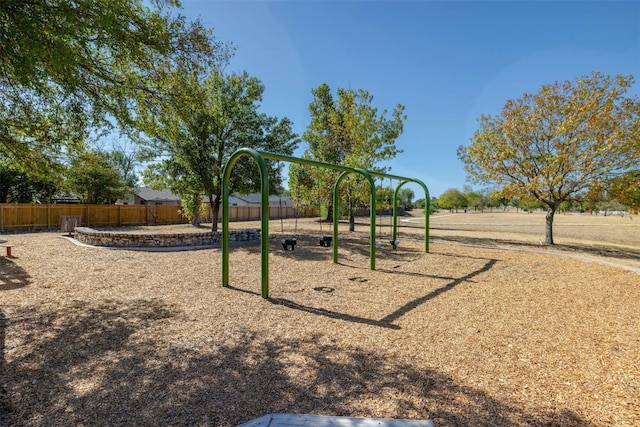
[
  {"x": 214, "y": 202},
  {"x": 330, "y": 212},
  {"x": 352, "y": 216},
  {"x": 549, "y": 225},
  {"x": 195, "y": 221}
]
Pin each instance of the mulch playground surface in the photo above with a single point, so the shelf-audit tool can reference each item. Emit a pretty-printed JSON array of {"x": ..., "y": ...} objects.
[{"x": 486, "y": 329}]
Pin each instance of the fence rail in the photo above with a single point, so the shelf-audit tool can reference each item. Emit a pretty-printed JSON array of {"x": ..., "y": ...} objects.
[{"x": 27, "y": 216}]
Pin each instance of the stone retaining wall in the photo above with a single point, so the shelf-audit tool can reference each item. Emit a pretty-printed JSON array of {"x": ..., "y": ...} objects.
[{"x": 117, "y": 239}]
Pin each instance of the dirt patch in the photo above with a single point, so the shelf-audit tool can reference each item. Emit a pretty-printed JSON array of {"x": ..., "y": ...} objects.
[{"x": 464, "y": 335}]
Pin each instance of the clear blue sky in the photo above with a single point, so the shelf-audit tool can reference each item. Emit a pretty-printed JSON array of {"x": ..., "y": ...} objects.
[{"x": 448, "y": 62}]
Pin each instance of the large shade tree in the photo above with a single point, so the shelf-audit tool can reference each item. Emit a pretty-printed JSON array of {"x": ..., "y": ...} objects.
[
  {"x": 557, "y": 143},
  {"x": 345, "y": 130},
  {"x": 206, "y": 121},
  {"x": 70, "y": 66}
]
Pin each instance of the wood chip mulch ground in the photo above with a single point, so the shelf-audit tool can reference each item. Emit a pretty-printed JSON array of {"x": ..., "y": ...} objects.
[{"x": 463, "y": 335}]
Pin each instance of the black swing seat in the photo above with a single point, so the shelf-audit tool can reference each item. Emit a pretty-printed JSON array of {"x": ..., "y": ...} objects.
[
  {"x": 326, "y": 241},
  {"x": 289, "y": 244}
]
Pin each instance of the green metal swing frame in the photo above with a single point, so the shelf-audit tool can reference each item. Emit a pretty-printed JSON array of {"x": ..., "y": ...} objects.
[{"x": 259, "y": 157}]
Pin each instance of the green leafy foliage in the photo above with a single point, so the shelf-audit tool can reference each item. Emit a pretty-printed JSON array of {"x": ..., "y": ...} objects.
[
  {"x": 405, "y": 198},
  {"x": 40, "y": 131},
  {"x": 69, "y": 67},
  {"x": 125, "y": 162},
  {"x": 94, "y": 179},
  {"x": 207, "y": 120},
  {"x": 345, "y": 130},
  {"x": 452, "y": 199},
  {"x": 421, "y": 204},
  {"x": 626, "y": 188},
  {"x": 18, "y": 187}
]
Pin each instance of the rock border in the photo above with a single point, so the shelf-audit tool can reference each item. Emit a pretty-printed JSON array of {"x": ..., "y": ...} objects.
[{"x": 117, "y": 239}]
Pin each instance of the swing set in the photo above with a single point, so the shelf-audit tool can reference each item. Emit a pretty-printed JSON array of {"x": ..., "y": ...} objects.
[
  {"x": 289, "y": 244},
  {"x": 259, "y": 157}
]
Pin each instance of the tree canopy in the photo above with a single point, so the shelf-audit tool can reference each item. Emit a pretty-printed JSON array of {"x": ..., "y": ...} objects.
[
  {"x": 559, "y": 142},
  {"x": 345, "y": 130},
  {"x": 205, "y": 122},
  {"x": 68, "y": 67},
  {"x": 95, "y": 179},
  {"x": 18, "y": 187},
  {"x": 625, "y": 188},
  {"x": 452, "y": 199}
]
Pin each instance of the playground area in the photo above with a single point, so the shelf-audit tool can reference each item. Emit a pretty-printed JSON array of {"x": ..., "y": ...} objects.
[{"x": 489, "y": 328}]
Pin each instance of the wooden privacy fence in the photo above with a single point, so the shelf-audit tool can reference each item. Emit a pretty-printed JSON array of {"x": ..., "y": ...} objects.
[{"x": 27, "y": 216}]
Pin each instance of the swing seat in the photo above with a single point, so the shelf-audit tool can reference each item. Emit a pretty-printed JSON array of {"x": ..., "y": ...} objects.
[
  {"x": 326, "y": 241},
  {"x": 289, "y": 244}
]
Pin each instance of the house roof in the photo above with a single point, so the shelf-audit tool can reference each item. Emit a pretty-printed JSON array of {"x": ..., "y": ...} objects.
[
  {"x": 149, "y": 194},
  {"x": 255, "y": 199}
]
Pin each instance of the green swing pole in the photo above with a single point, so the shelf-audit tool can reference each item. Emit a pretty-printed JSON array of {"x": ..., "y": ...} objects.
[
  {"x": 336, "y": 200},
  {"x": 372, "y": 219},
  {"x": 426, "y": 211},
  {"x": 264, "y": 217},
  {"x": 372, "y": 216},
  {"x": 394, "y": 233}
]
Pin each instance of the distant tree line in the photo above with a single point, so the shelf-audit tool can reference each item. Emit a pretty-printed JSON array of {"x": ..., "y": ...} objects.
[{"x": 467, "y": 199}]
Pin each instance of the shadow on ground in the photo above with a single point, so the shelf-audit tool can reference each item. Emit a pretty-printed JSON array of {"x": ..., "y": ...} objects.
[
  {"x": 101, "y": 365},
  {"x": 12, "y": 276},
  {"x": 387, "y": 321},
  {"x": 590, "y": 250}
]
